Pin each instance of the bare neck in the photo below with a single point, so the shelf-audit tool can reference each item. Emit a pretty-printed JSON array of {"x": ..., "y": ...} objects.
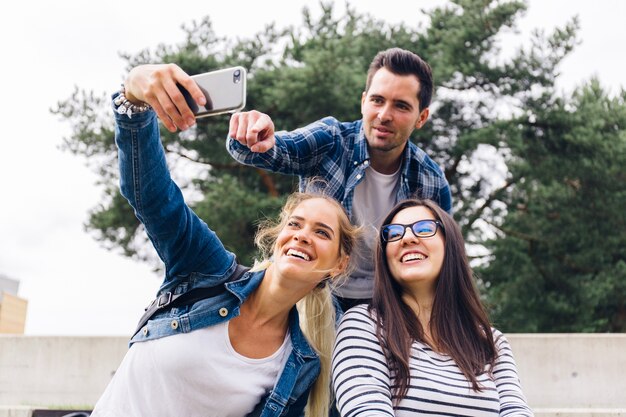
[
  {"x": 422, "y": 305},
  {"x": 385, "y": 162},
  {"x": 420, "y": 301},
  {"x": 272, "y": 301}
]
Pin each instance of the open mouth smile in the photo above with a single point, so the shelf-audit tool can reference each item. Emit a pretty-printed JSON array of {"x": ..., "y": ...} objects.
[
  {"x": 298, "y": 254},
  {"x": 413, "y": 256}
]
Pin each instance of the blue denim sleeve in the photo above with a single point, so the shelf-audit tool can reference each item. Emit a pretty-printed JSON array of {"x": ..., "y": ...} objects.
[
  {"x": 297, "y": 152},
  {"x": 297, "y": 408},
  {"x": 182, "y": 240}
]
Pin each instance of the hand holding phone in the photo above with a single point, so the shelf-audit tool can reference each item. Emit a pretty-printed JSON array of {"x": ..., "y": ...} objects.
[{"x": 224, "y": 91}]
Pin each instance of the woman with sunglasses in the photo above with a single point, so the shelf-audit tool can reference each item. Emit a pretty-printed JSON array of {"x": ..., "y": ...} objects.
[
  {"x": 424, "y": 346},
  {"x": 242, "y": 351}
]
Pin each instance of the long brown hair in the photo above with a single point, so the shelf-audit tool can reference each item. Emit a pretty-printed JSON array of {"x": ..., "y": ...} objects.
[{"x": 459, "y": 324}]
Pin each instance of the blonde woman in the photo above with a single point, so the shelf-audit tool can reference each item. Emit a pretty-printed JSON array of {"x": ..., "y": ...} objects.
[{"x": 243, "y": 351}]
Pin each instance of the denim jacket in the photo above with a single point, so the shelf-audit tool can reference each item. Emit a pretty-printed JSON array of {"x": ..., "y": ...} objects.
[{"x": 195, "y": 257}]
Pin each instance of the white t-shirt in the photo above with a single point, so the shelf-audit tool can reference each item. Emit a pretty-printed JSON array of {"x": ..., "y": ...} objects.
[
  {"x": 196, "y": 374},
  {"x": 374, "y": 197}
]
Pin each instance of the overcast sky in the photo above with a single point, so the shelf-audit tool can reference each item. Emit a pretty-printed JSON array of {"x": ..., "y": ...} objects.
[{"x": 75, "y": 287}]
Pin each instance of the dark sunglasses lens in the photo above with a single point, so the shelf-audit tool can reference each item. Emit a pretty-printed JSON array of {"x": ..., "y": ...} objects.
[
  {"x": 425, "y": 228},
  {"x": 393, "y": 232}
]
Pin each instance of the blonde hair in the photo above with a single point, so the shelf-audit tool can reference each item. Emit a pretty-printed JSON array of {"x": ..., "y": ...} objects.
[{"x": 316, "y": 309}]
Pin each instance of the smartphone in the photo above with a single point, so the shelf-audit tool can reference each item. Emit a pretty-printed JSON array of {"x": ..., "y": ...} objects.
[{"x": 224, "y": 90}]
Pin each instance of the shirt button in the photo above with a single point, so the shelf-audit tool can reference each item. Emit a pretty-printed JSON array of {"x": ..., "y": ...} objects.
[
  {"x": 223, "y": 311},
  {"x": 174, "y": 324},
  {"x": 358, "y": 177},
  {"x": 366, "y": 163},
  {"x": 356, "y": 163},
  {"x": 145, "y": 331}
]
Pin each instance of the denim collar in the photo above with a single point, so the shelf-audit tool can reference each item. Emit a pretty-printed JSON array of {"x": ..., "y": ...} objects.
[{"x": 242, "y": 289}]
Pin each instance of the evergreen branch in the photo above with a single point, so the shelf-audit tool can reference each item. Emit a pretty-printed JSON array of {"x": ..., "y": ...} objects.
[{"x": 492, "y": 197}]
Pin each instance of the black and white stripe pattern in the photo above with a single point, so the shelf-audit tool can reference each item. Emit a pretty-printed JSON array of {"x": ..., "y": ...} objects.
[{"x": 363, "y": 383}]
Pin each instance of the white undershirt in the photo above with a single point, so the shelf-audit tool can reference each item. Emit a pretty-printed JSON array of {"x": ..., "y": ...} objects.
[
  {"x": 196, "y": 374},
  {"x": 373, "y": 198}
]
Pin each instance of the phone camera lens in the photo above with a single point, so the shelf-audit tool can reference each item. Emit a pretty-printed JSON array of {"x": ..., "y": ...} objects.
[
  {"x": 237, "y": 73},
  {"x": 237, "y": 76}
]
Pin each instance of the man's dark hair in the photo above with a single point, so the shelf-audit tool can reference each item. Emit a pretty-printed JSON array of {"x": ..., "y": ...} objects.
[{"x": 403, "y": 62}]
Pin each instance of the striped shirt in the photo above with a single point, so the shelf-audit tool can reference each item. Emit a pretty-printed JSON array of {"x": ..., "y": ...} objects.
[{"x": 363, "y": 383}]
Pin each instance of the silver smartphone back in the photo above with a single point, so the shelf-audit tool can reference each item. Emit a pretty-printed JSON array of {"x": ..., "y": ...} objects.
[{"x": 224, "y": 90}]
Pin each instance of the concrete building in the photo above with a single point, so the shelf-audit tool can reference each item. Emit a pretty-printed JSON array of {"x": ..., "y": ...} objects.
[{"x": 12, "y": 308}]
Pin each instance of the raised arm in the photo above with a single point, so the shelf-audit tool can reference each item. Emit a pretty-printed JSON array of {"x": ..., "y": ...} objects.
[
  {"x": 252, "y": 141},
  {"x": 512, "y": 399},
  {"x": 252, "y": 129},
  {"x": 361, "y": 379},
  {"x": 182, "y": 240},
  {"x": 157, "y": 86}
]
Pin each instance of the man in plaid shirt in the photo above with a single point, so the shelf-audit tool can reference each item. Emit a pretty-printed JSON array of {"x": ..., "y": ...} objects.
[{"x": 368, "y": 165}]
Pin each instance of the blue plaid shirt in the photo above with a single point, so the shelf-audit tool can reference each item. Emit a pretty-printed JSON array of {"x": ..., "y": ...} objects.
[{"x": 337, "y": 153}]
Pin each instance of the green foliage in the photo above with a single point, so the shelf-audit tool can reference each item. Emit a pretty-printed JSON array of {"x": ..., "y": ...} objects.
[
  {"x": 234, "y": 213},
  {"x": 558, "y": 263},
  {"x": 553, "y": 174}
]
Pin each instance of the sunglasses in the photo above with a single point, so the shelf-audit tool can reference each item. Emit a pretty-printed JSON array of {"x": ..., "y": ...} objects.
[{"x": 421, "y": 228}]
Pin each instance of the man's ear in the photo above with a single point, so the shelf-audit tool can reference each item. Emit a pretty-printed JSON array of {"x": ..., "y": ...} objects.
[{"x": 422, "y": 118}]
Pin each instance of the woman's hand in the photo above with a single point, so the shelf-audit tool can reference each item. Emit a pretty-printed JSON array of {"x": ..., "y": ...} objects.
[{"x": 157, "y": 86}]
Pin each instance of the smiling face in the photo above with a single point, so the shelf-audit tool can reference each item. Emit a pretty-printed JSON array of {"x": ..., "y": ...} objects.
[
  {"x": 415, "y": 263},
  {"x": 308, "y": 246},
  {"x": 391, "y": 110}
]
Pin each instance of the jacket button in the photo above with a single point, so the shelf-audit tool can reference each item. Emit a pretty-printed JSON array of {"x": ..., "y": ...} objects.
[
  {"x": 223, "y": 311},
  {"x": 145, "y": 331},
  {"x": 174, "y": 324}
]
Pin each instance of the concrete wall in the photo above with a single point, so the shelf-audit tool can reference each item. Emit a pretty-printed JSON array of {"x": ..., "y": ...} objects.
[
  {"x": 57, "y": 371},
  {"x": 562, "y": 374},
  {"x": 573, "y": 371}
]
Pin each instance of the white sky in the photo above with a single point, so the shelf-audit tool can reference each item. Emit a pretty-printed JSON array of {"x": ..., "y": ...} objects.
[{"x": 75, "y": 287}]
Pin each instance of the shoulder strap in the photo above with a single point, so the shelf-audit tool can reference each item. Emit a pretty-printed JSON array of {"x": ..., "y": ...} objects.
[{"x": 169, "y": 300}]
